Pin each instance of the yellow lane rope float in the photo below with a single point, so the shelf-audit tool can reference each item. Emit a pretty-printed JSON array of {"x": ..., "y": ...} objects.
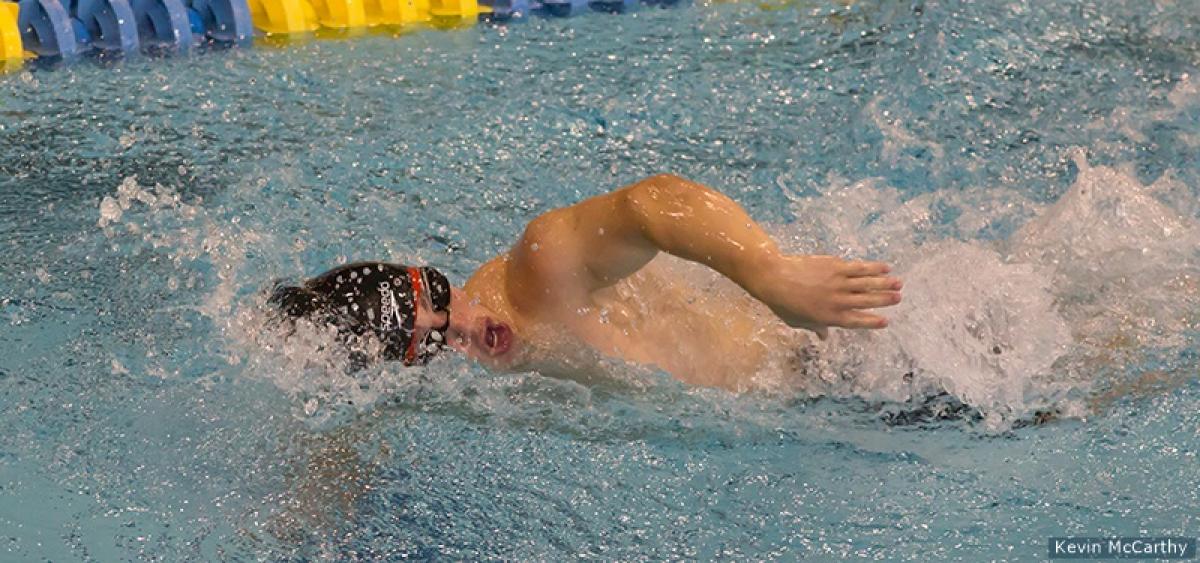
[{"x": 10, "y": 33}]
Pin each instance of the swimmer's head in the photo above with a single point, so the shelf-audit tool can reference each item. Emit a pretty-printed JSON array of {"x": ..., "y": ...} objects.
[
  {"x": 407, "y": 308},
  {"x": 413, "y": 311}
]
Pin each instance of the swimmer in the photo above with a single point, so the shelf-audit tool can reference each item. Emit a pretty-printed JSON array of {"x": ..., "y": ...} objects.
[{"x": 550, "y": 303}]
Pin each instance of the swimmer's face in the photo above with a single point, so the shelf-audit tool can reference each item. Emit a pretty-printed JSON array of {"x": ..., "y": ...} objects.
[{"x": 474, "y": 329}]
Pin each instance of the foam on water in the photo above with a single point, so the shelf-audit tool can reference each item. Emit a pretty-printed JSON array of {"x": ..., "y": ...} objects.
[
  {"x": 1120, "y": 256},
  {"x": 1017, "y": 324}
]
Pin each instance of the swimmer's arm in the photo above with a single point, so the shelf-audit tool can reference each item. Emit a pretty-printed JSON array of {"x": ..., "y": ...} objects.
[{"x": 602, "y": 240}]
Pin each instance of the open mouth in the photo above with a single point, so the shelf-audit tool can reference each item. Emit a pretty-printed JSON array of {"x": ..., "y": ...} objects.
[{"x": 497, "y": 337}]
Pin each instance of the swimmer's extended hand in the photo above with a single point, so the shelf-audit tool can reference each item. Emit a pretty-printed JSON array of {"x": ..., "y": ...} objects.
[{"x": 817, "y": 292}]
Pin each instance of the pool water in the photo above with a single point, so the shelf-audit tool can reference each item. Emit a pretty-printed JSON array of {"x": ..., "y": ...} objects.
[{"x": 1031, "y": 168}]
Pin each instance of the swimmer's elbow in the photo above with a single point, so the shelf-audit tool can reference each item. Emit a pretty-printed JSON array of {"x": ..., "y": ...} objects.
[
  {"x": 665, "y": 185},
  {"x": 666, "y": 197},
  {"x": 542, "y": 229},
  {"x": 659, "y": 192}
]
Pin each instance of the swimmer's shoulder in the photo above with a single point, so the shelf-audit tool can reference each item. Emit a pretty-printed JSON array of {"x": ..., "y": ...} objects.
[
  {"x": 500, "y": 287},
  {"x": 542, "y": 270},
  {"x": 487, "y": 280}
]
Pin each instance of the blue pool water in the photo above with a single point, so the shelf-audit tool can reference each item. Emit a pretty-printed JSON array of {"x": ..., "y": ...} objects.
[{"x": 1031, "y": 168}]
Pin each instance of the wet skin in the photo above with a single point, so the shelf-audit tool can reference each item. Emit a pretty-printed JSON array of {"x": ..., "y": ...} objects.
[{"x": 551, "y": 291}]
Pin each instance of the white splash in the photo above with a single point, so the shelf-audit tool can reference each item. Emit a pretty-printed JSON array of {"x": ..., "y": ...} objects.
[
  {"x": 971, "y": 325},
  {"x": 1011, "y": 326},
  {"x": 1122, "y": 259}
]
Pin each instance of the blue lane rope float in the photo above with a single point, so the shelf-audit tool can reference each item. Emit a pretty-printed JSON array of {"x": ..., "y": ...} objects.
[
  {"x": 614, "y": 6},
  {"x": 46, "y": 29},
  {"x": 163, "y": 24},
  {"x": 223, "y": 21},
  {"x": 562, "y": 8},
  {"x": 107, "y": 25}
]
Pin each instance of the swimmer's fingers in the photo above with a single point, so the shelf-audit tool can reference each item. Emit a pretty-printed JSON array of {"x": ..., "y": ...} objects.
[
  {"x": 871, "y": 300},
  {"x": 863, "y": 269},
  {"x": 873, "y": 283},
  {"x": 859, "y": 319}
]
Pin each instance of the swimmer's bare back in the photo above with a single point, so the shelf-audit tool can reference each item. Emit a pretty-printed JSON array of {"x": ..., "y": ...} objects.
[{"x": 555, "y": 274}]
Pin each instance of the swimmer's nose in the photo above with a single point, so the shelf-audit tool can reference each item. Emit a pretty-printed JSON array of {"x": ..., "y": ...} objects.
[{"x": 456, "y": 337}]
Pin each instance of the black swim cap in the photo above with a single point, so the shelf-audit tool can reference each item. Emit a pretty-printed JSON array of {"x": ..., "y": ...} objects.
[{"x": 373, "y": 297}]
